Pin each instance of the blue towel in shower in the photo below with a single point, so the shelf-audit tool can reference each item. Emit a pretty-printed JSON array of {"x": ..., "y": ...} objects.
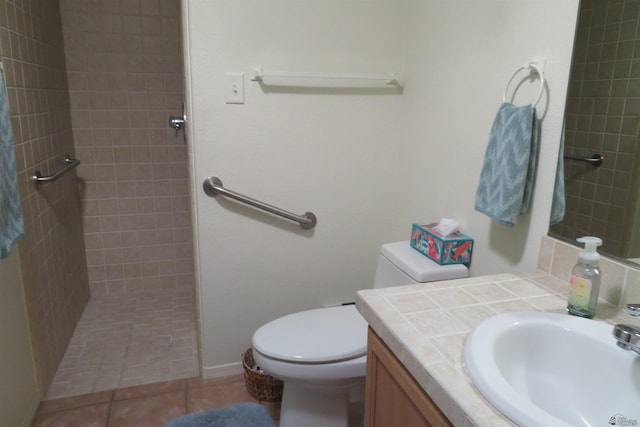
[
  {"x": 508, "y": 172},
  {"x": 558, "y": 203},
  {"x": 11, "y": 225}
]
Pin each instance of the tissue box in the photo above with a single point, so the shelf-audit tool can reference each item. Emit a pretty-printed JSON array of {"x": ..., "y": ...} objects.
[{"x": 456, "y": 248}]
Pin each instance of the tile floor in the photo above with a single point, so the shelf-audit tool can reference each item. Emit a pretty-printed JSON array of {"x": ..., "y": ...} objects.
[
  {"x": 150, "y": 405},
  {"x": 133, "y": 361},
  {"x": 128, "y": 340}
]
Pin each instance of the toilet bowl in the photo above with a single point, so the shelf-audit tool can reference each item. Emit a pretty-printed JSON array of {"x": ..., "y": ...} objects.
[{"x": 320, "y": 354}]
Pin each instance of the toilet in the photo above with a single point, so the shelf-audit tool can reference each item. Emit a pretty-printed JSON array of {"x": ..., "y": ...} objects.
[{"x": 320, "y": 354}]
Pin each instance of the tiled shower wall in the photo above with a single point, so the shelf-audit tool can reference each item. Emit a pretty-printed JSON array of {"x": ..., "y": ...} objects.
[
  {"x": 603, "y": 116},
  {"x": 124, "y": 63},
  {"x": 52, "y": 249}
]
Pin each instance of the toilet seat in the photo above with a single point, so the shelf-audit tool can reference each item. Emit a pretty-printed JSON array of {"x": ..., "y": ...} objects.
[
  {"x": 321, "y": 354},
  {"x": 324, "y": 335}
]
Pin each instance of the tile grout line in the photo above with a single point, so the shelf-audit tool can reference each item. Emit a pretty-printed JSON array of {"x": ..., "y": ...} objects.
[
  {"x": 186, "y": 396},
  {"x": 113, "y": 393}
]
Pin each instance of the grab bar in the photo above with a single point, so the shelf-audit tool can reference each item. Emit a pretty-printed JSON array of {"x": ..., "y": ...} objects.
[
  {"x": 595, "y": 160},
  {"x": 71, "y": 163},
  {"x": 213, "y": 186}
]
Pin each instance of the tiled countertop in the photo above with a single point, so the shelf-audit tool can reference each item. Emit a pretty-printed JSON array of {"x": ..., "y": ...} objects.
[{"x": 425, "y": 325}]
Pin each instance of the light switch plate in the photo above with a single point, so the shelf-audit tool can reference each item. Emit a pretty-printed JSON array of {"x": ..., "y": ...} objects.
[{"x": 234, "y": 87}]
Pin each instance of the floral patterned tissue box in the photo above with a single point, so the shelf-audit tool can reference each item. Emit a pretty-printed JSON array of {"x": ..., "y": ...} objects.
[{"x": 455, "y": 248}]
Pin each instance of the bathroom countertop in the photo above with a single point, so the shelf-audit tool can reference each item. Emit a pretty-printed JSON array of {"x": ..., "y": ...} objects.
[{"x": 425, "y": 325}]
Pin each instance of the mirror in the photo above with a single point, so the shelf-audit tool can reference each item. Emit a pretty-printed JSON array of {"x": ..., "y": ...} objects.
[{"x": 603, "y": 117}]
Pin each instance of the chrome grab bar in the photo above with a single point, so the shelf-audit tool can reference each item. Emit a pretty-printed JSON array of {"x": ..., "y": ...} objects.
[
  {"x": 595, "y": 160},
  {"x": 213, "y": 186},
  {"x": 71, "y": 163}
]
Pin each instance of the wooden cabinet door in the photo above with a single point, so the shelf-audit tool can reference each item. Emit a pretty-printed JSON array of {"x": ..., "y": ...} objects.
[{"x": 393, "y": 398}]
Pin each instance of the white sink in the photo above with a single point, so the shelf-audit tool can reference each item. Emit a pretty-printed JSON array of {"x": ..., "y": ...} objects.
[{"x": 549, "y": 369}]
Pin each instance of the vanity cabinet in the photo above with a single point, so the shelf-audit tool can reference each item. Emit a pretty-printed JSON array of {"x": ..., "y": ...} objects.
[{"x": 392, "y": 397}]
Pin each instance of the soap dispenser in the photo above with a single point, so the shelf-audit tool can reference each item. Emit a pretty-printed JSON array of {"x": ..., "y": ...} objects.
[{"x": 585, "y": 280}]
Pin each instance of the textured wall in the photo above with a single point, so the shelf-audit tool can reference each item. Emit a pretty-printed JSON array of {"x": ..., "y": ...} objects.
[
  {"x": 52, "y": 250},
  {"x": 124, "y": 62}
]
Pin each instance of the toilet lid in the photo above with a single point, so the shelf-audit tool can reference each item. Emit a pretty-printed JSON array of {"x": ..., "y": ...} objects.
[{"x": 322, "y": 335}]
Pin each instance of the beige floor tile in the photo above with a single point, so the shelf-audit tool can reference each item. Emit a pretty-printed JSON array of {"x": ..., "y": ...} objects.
[
  {"x": 147, "y": 411},
  {"x": 215, "y": 396},
  {"x": 48, "y": 406},
  {"x": 150, "y": 389},
  {"x": 86, "y": 416}
]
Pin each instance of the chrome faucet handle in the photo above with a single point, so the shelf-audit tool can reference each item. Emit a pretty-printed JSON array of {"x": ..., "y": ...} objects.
[
  {"x": 179, "y": 122},
  {"x": 633, "y": 310},
  {"x": 627, "y": 337}
]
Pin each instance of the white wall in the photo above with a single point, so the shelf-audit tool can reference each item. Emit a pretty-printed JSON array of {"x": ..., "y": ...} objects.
[
  {"x": 18, "y": 391},
  {"x": 367, "y": 164},
  {"x": 334, "y": 153},
  {"x": 460, "y": 55}
]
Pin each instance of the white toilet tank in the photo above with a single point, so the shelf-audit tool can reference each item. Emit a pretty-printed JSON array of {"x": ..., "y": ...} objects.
[{"x": 399, "y": 264}]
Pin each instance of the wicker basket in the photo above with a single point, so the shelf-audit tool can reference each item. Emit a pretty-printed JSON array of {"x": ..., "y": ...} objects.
[{"x": 261, "y": 386}]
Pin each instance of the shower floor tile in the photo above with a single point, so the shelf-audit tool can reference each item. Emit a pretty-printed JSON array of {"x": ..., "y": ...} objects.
[{"x": 129, "y": 340}]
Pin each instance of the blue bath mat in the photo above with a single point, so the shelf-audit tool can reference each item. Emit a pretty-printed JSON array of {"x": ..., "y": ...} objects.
[{"x": 241, "y": 415}]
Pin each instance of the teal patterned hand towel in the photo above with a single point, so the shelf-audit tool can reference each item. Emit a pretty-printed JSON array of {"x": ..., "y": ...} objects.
[
  {"x": 558, "y": 203},
  {"x": 11, "y": 225},
  {"x": 508, "y": 172}
]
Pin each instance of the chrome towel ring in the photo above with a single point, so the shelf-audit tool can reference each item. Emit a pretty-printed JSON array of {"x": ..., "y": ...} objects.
[{"x": 532, "y": 68}]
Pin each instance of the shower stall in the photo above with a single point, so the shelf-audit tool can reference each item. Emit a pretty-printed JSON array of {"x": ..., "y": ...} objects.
[{"x": 107, "y": 256}]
